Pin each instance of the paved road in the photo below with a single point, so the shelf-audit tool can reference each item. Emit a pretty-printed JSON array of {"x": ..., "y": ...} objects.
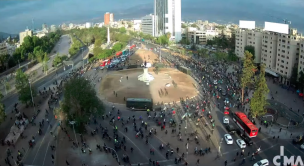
[{"x": 40, "y": 155}]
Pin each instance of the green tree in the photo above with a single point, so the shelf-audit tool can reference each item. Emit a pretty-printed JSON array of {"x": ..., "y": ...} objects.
[
  {"x": 203, "y": 53},
  {"x": 23, "y": 87},
  {"x": 184, "y": 25},
  {"x": 294, "y": 75},
  {"x": 2, "y": 110},
  {"x": 57, "y": 60},
  {"x": 248, "y": 72},
  {"x": 39, "y": 53},
  {"x": 45, "y": 63},
  {"x": 250, "y": 49},
  {"x": 258, "y": 100},
  {"x": 80, "y": 102},
  {"x": 220, "y": 55},
  {"x": 117, "y": 47},
  {"x": 122, "y": 30},
  {"x": 210, "y": 43},
  {"x": 184, "y": 41}
]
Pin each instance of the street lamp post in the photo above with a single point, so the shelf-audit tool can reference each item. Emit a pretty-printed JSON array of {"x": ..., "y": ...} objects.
[
  {"x": 73, "y": 123},
  {"x": 32, "y": 95}
]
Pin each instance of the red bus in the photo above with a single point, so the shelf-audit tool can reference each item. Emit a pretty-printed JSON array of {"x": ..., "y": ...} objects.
[
  {"x": 245, "y": 124},
  {"x": 119, "y": 53},
  {"x": 132, "y": 46}
]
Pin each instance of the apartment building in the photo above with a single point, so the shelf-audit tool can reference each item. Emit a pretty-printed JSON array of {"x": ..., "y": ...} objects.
[
  {"x": 288, "y": 51},
  {"x": 24, "y": 34},
  {"x": 301, "y": 57},
  {"x": 196, "y": 37},
  {"x": 3, "y": 49},
  {"x": 269, "y": 50},
  {"x": 245, "y": 37},
  {"x": 148, "y": 25}
]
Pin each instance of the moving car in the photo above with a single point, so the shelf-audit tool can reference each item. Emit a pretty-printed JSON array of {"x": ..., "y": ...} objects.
[
  {"x": 215, "y": 82},
  {"x": 244, "y": 137},
  {"x": 225, "y": 120},
  {"x": 262, "y": 163},
  {"x": 230, "y": 129},
  {"x": 224, "y": 92},
  {"x": 241, "y": 143},
  {"x": 228, "y": 139}
]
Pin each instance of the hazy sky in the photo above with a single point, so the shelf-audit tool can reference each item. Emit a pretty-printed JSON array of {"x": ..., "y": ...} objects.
[{"x": 16, "y": 15}]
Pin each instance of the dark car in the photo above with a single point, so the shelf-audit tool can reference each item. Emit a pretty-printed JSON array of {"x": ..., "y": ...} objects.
[
  {"x": 230, "y": 129},
  {"x": 244, "y": 137},
  {"x": 224, "y": 92},
  {"x": 298, "y": 140}
]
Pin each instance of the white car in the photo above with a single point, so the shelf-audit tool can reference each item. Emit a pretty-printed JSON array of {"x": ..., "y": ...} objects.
[
  {"x": 228, "y": 139},
  {"x": 302, "y": 146},
  {"x": 241, "y": 143},
  {"x": 215, "y": 82},
  {"x": 262, "y": 163},
  {"x": 225, "y": 120}
]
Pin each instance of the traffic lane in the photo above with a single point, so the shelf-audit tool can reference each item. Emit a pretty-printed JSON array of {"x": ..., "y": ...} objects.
[
  {"x": 31, "y": 156},
  {"x": 138, "y": 144}
]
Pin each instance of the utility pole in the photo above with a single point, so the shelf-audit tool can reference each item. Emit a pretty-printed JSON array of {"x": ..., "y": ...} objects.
[{"x": 82, "y": 57}]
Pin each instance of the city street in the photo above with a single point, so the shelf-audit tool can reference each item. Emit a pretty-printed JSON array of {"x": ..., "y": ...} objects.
[{"x": 41, "y": 153}]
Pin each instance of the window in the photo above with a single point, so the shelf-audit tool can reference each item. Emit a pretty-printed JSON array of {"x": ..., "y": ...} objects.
[
  {"x": 166, "y": 20},
  {"x": 298, "y": 49}
]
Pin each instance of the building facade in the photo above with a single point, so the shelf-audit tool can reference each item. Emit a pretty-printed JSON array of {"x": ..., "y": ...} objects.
[
  {"x": 24, "y": 34},
  {"x": 3, "y": 49},
  {"x": 167, "y": 14},
  {"x": 248, "y": 38},
  {"x": 148, "y": 25},
  {"x": 111, "y": 17},
  {"x": 195, "y": 36},
  {"x": 279, "y": 52},
  {"x": 301, "y": 57},
  {"x": 107, "y": 18}
]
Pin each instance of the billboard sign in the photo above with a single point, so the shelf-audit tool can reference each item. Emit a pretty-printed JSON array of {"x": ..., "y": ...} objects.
[
  {"x": 277, "y": 27},
  {"x": 247, "y": 24}
]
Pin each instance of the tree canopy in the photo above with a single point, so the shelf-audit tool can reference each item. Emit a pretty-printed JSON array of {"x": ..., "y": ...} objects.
[
  {"x": 58, "y": 60},
  {"x": 258, "y": 101},
  {"x": 34, "y": 48},
  {"x": 23, "y": 87},
  {"x": 248, "y": 72},
  {"x": 80, "y": 102},
  {"x": 250, "y": 49}
]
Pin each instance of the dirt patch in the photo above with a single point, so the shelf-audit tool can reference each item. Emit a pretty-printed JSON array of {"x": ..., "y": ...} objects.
[
  {"x": 159, "y": 89},
  {"x": 142, "y": 55}
]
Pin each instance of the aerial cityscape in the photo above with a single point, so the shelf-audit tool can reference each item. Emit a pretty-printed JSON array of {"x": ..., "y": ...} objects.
[{"x": 156, "y": 83}]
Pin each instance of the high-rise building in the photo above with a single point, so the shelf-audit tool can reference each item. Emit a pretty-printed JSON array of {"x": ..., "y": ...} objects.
[
  {"x": 111, "y": 17},
  {"x": 44, "y": 26},
  {"x": 167, "y": 14},
  {"x": 148, "y": 25},
  {"x": 301, "y": 59},
  {"x": 108, "y": 18},
  {"x": 24, "y": 34}
]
